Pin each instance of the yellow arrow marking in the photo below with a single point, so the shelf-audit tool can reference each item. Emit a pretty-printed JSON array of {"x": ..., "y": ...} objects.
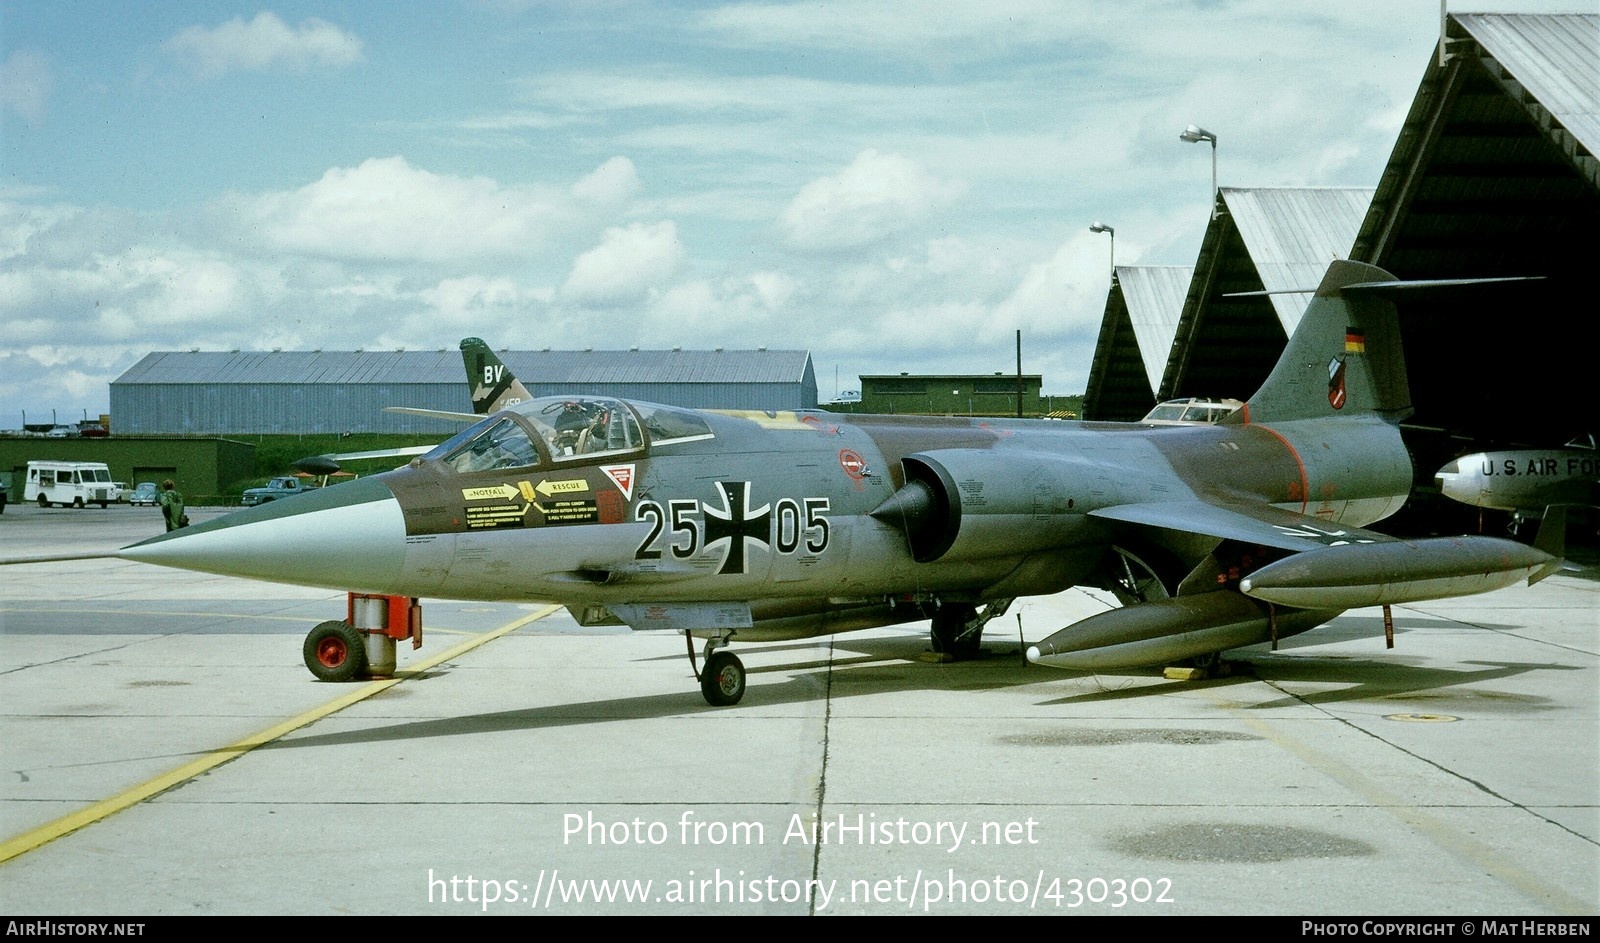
[
  {"x": 498, "y": 492},
  {"x": 548, "y": 488}
]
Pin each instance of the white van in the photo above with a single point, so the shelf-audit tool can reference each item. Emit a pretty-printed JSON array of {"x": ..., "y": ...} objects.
[{"x": 69, "y": 483}]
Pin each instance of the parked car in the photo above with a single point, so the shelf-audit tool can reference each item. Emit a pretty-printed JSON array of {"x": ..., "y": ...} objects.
[
  {"x": 122, "y": 491},
  {"x": 144, "y": 494},
  {"x": 286, "y": 486}
]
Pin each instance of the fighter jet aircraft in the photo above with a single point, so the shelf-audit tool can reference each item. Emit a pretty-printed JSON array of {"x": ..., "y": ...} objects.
[
  {"x": 752, "y": 526},
  {"x": 1525, "y": 481}
]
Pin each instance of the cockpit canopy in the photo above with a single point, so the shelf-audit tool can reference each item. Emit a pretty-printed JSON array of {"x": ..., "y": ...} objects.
[
  {"x": 555, "y": 430},
  {"x": 1191, "y": 410}
]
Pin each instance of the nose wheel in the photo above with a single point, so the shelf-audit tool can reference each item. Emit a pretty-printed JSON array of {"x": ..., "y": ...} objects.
[{"x": 722, "y": 681}]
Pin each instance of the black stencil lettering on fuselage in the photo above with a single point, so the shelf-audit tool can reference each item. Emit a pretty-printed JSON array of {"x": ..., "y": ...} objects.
[{"x": 689, "y": 526}]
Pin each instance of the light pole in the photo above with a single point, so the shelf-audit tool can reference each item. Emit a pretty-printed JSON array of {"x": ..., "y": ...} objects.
[
  {"x": 1112, "y": 232},
  {"x": 1195, "y": 135}
]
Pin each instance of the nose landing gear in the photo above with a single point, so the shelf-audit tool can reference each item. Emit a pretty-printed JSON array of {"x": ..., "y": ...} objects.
[
  {"x": 335, "y": 652},
  {"x": 722, "y": 680},
  {"x": 363, "y": 645}
]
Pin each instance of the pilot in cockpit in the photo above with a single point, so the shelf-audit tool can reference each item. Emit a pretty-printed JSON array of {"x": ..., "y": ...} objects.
[{"x": 579, "y": 427}]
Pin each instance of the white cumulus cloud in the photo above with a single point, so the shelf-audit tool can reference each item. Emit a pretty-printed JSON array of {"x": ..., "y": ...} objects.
[
  {"x": 734, "y": 310},
  {"x": 387, "y": 209},
  {"x": 613, "y": 182},
  {"x": 877, "y": 196},
  {"x": 263, "y": 43},
  {"x": 627, "y": 263}
]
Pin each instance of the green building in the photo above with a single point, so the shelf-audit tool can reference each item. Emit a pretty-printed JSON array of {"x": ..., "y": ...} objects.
[
  {"x": 953, "y": 394},
  {"x": 202, "y": 468}
]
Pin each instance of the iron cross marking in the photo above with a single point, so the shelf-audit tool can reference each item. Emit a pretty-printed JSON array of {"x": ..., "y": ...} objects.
[{"x": 736, "y": 523}]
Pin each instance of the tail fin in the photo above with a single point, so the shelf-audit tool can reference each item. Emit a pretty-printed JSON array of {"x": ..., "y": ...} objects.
[
  {"x": 1344, "y": 357},
  {"x": 493, "y": 387},
  {"x": 1552, "y": 539}
]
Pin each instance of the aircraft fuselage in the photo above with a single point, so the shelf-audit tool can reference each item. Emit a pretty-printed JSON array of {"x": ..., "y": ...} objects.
[
  {"x": 1529, "y": 479},
  {"x": 775, "y": 510}
]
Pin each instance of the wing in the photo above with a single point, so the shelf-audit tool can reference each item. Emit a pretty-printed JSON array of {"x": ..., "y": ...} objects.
[
  {"x": 1262, "y": 524},
  {"x": 329, "y": 464}
]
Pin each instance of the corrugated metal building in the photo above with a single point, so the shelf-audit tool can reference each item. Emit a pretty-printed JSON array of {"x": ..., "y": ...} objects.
[
  {"x": 1136, "y": 335},
  {"x": 1495, "y": 174},
  {"x": 297, "y": 392},
  {"x": 1267, "y": 239}
]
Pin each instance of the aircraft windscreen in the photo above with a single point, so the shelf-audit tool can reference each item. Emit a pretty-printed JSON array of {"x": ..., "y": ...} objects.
[
  {"x": 504, "y": 444},
  {"x": 450, "y": 445}
]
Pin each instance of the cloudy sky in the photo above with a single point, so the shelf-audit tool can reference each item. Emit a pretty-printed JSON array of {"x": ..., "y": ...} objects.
[{"x": 893, "y": 186}]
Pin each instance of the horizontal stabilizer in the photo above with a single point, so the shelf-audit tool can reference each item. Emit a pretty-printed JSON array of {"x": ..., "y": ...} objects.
[
  {"x": 1399, "y": 284},
  {"x": 433, "y": 413},
  {"x": 1347, "y": 577}
]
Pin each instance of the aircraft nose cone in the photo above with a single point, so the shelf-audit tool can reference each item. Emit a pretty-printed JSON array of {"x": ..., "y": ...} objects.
[
  {"x": 349, "y": 537},
  {"x": 1453, "y": 482}
]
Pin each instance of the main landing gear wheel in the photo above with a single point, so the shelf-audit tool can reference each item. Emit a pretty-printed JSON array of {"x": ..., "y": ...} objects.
[
  {"x": 722, "y": 681},
  {"x": 335, "y": 652},
  {"x": 950, "y": 635}
]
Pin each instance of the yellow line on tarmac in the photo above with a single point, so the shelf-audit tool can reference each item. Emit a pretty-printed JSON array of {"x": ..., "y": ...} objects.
[
  {"x": 26, "y": 842},
  {"x": 159, "y": 612}
]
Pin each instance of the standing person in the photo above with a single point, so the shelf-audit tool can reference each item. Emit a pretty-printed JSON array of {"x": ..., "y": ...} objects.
[{"x": 171, "y": 501}]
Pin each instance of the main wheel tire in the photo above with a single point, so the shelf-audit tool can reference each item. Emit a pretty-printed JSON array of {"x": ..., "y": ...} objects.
[
  {"x": 44, "y": 502},
  {"x": 335, "y": 652},
  {"x": 722, "y": 681},
  {"x": 945, "y": 631}
]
